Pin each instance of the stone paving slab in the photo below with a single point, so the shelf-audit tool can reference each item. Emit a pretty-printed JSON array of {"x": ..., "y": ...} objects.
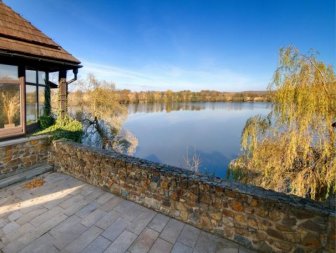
[
  {"x": 172, "y": 231},
  {"x": 97, "y": 246},
  {"x": 67, "y": 215},
  {"x": 145, "y": 241},
  {"x": 158, "y": 222},
  {"x": 161, "y": 246}
]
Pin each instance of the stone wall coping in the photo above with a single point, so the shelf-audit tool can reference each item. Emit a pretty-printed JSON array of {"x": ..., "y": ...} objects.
[
  {"x": 226, "y": 185},
  {"x": 22, "y": 140}
]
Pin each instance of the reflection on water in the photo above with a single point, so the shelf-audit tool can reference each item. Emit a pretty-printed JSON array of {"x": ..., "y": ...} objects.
[
  {"x": 166, "y": 131},
  {"x": 192, "y": 106}
]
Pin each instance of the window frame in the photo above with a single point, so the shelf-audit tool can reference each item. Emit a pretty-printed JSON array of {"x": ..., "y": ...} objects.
[
  {"x": 37, "y": 85},
  {"x": 21, "y": 129}
]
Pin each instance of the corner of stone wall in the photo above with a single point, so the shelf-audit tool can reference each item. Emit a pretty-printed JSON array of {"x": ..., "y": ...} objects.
[{"x": 23, "y": 153}]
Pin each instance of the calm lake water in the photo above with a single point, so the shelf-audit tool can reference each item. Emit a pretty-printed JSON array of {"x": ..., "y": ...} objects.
[{"x": 167, "y": 134}]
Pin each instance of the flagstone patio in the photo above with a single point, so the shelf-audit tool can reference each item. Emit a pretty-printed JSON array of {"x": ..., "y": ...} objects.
[{"x": 67, "y": 215}]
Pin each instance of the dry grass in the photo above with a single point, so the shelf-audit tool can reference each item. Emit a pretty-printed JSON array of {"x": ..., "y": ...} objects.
[{"x": 35, "y": 183}]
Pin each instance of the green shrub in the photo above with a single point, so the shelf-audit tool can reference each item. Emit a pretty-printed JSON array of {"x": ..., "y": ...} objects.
[
  {"x": 46, "y": 121},
  {"x": 67, "y": 128}
]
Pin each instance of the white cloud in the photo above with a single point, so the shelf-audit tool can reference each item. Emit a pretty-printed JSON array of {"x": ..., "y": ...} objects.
[{"x": 163, "y": 77}]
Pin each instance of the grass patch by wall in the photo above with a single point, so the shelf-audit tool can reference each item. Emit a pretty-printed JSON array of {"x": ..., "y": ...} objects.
[{"x": 67, "y": 128}]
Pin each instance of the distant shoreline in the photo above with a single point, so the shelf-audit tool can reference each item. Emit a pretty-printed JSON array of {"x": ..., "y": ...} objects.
[
  {"x": 255, "y": 100},
  {"x": 143, "y": 97}
]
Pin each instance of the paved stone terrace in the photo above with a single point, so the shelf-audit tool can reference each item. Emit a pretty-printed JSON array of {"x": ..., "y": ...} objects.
[{"x": 67, "y": 215}]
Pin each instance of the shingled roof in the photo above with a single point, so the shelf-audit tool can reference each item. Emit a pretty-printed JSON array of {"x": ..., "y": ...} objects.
[{"x": 19, "y": 36}]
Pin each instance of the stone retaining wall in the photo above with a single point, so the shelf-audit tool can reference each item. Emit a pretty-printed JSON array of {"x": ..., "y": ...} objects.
[
  {"x": 257, "y": 218},
  {"x": 19, "y": 154}
]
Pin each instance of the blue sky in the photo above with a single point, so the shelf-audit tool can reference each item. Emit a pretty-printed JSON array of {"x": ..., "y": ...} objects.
[{"x": 227, "y": 45}]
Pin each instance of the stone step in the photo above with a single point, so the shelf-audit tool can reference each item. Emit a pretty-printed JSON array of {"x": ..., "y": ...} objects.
[{"x": 25, "y": 175}]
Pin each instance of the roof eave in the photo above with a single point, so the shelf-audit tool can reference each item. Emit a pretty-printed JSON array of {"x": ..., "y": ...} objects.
[{"x": 63, "y": 64}]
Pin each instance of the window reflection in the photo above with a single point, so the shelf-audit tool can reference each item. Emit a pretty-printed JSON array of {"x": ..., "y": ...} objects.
[
  {"x": 9, "y": 97},
  {"x": 31, "y": 104},
  {"x": 8, "y": 72},
  {"x": 9, "y": 105},
  {"x": 31, "y": 76},
  {"x": 42, "y": 77},
  {"x": 35, "y": 95},
  {"x": 41, "y": 99}
]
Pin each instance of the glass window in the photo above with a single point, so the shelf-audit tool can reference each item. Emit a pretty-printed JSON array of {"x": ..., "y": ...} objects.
[
  {"x": 42, "y": 77},
  {"x": 31, "y": 76},
  {"x": 53, "y": 77},
  {"x": 41, "y": 99},
  {"x": 8, "y": 72},
  {"x": 10, "y": 109},
  {"x": 31, "y": 104},
  {"x": 9, "y": 105},
  {"x": 35, "y": 95}
]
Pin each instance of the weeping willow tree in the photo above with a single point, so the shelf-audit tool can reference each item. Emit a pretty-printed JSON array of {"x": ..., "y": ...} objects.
[{"x": 293, "y": 149}]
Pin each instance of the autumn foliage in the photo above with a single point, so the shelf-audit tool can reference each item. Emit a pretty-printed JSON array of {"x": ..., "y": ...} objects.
[{"x": 293, "y": 149}]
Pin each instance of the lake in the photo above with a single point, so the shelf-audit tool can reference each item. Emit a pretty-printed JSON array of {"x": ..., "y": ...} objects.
[{"x": 211, "y": 131}]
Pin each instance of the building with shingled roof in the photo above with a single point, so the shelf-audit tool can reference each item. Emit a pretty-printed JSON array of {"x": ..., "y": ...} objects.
[{"x": 27, "y": 57}]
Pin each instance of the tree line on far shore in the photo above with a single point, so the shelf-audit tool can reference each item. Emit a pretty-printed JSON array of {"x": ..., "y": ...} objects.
[{"x": 131, "y": 97}]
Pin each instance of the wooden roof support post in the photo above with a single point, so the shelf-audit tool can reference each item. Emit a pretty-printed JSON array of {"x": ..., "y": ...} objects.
[{"x": 62, "y": 94}]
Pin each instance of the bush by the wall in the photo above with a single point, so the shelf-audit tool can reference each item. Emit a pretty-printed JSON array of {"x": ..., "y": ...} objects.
[
  {"x": 46, "y": 121},
  {"x": 67, "y": 128}
]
